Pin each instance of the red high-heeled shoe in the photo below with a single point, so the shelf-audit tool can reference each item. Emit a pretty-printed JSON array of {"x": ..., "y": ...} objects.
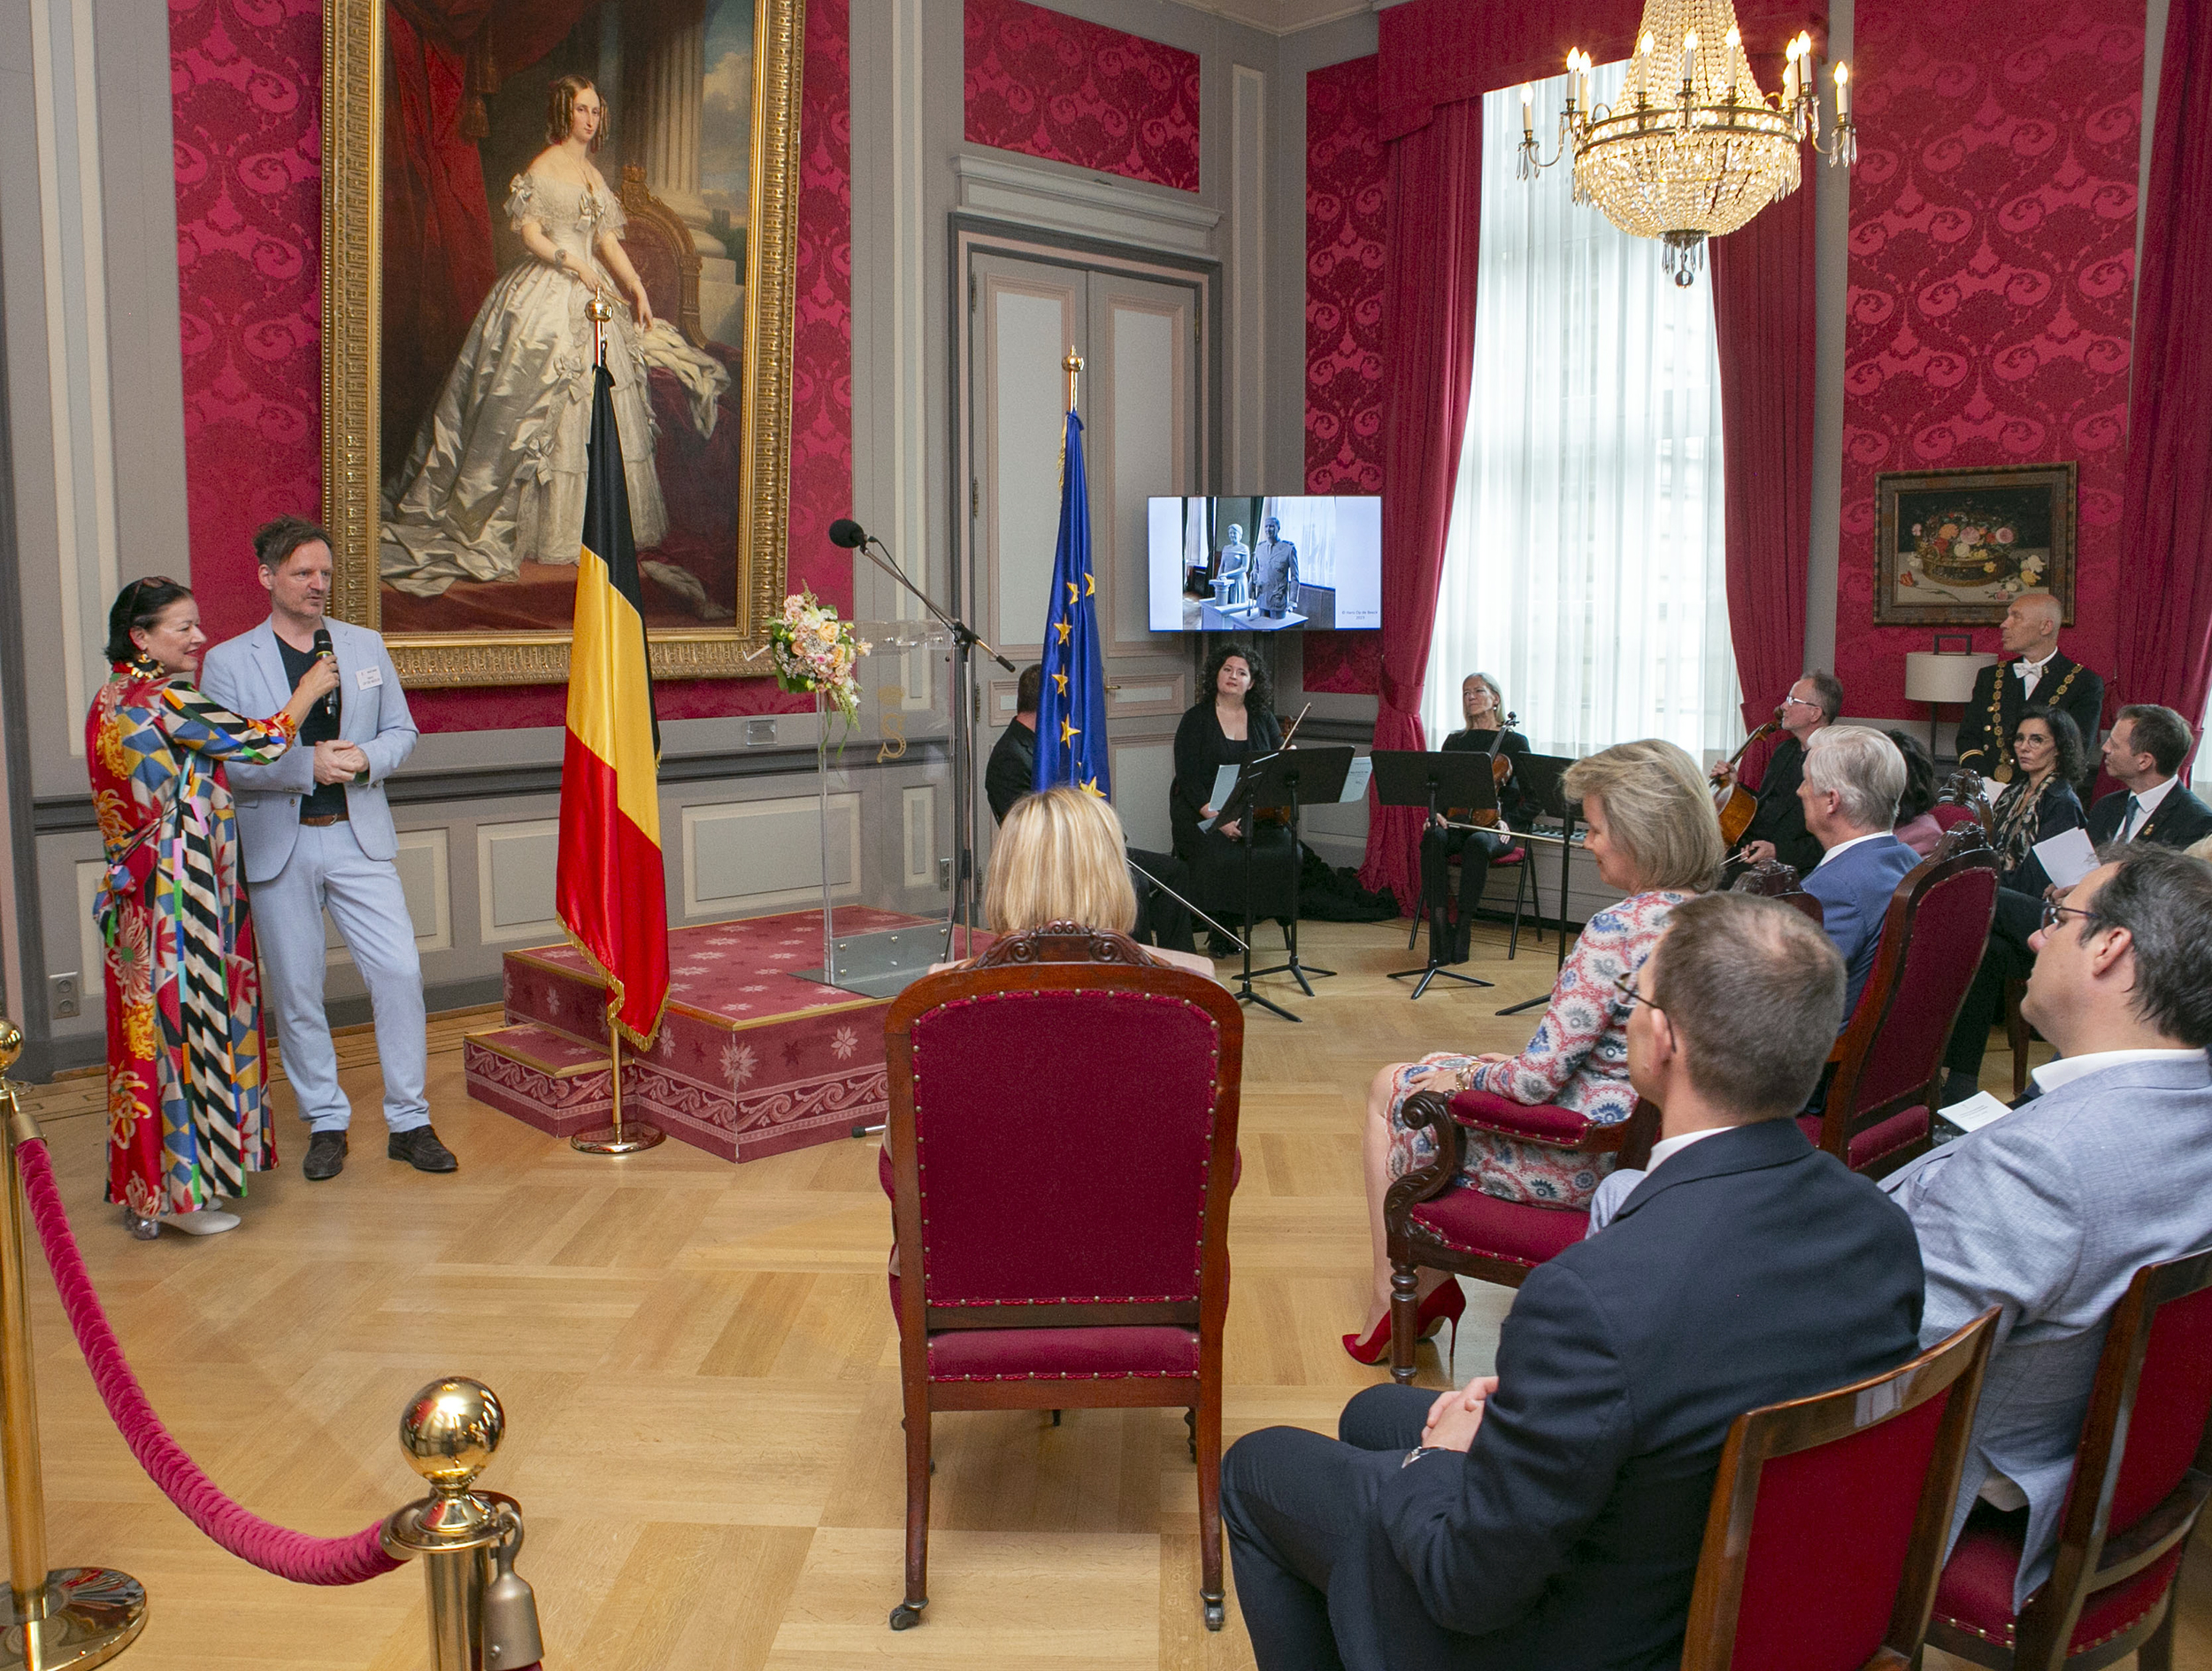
[{"x": 1444, "y": 1304}]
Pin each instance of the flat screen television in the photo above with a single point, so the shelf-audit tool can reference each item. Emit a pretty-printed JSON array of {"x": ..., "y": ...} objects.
[{"x": 1262, "y": 564}]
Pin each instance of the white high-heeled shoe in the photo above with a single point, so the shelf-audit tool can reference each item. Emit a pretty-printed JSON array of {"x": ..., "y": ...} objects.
[{"x": 206, "y": 1221}]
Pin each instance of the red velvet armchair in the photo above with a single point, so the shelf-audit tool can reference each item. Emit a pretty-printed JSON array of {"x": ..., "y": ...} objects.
[
  {"x": 1829, "y": 1514},
  {"x": 2141, "y": 1476},
  {"x": 1889, "y": 1062},
  {"x": 1062, "y": 1143},
  {"x": 1432, "y": 1219}
]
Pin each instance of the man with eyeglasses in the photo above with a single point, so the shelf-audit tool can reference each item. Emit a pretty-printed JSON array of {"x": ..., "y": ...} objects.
[
  {"x": 1778, "y": 828},
  {"x": 2105, "y": 1166}
]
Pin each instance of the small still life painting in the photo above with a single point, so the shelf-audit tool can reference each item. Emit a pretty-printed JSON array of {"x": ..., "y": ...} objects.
[{"x": 1957, "y": 546}]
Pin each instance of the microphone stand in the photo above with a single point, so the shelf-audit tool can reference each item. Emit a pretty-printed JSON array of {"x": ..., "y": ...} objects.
[{"x": 965, "y": 640}]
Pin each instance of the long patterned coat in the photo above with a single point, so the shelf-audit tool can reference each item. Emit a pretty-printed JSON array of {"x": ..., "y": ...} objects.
[{"x": 188, "y": 1096}]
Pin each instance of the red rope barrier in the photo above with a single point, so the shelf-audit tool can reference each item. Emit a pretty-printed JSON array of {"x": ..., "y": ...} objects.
[{"x": 274, "y": 1549}]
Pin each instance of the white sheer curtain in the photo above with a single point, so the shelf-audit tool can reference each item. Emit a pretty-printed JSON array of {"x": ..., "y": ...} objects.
[{"x": 1583, "y": 564}]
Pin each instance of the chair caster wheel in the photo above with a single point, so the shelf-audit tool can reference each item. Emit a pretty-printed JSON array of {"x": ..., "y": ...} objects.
[
  {"x": 907, "y": 1614},
  {"x": 1216, "y": 1615}
]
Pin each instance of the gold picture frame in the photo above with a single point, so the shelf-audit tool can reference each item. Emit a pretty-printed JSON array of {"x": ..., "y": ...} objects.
[{"x": 353, "y": 131}]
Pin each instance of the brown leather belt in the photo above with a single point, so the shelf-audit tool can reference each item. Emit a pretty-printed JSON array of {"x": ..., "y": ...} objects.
[{"x": 322, "y": 821}]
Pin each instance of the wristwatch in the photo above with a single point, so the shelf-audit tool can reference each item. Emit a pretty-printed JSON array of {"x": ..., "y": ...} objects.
[{"x": 1420, "y": 1451}]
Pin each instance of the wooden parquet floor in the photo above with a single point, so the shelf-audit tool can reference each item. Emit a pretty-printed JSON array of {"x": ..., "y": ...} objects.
[{"x": 700, "y": 1370}]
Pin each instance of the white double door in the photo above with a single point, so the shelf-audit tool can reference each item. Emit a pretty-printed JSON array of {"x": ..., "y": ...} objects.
[{"x": 1143, "y": 400}]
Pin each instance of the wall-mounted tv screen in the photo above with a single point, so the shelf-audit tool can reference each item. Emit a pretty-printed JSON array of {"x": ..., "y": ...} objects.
[{"x": 1261, "y": 563}]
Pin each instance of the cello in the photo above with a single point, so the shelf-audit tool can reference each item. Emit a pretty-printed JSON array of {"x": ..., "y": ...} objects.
[{"x": 1736, "y": 804}]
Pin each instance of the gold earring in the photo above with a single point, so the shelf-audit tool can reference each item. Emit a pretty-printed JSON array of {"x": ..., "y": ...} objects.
[{"x": 145, "y": 663}]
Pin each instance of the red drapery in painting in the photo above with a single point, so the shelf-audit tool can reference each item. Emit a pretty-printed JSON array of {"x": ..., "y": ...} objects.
[
  {"x": 442, "y": 57},
  {"x": 1429, "y": 344},
  {"x": 2165, "y": 651},
  {"x": 1765, "y": 323}
]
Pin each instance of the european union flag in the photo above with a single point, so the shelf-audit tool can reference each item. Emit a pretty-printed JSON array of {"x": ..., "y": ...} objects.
[{"x": 1071, "y": 706}]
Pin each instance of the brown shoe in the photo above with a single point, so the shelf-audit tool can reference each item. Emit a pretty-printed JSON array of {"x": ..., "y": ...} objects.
[
  {"x": 421, "y": 1150},
  {"x": 325, "y": 1156}
]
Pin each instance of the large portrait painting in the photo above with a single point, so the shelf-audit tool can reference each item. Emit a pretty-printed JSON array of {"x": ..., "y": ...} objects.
[
  {"x": 516, "y": 192},
  {"x": 1957, "y": 546}
]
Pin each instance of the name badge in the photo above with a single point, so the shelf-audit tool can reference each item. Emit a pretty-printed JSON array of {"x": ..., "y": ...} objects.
[{"x": 369, "y": 678}]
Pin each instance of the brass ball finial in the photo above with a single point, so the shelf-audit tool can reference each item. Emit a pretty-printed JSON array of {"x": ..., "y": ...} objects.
[
  {"x": 10, "y": 1045},
  {"x": 449, "y": 1430}
]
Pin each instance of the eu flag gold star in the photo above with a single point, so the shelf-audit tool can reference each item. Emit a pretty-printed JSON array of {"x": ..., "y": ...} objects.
[
  {"x": 1060, "y": 683},
  {"x": 1071, "y": 586},
  {"x": 1090, "y": 786},
  {"x": 1063, "y": 629},
  {"x": 1090, "y": 586},
  {"x": 1069, "y": 733}
]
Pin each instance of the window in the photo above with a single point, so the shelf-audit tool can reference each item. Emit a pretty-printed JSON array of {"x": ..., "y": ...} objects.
[{"x": 1583, "y": 566}]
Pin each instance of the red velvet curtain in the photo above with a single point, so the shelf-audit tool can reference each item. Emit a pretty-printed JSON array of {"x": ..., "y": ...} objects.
[
  {"x": 1765, "y": 322},
  {"x": 2166, "y": 515},
  {"x": 1429, "y": 345}
]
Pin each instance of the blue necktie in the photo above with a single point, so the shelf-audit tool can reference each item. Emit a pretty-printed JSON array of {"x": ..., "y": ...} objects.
[{"x": 2127, "y": 824}]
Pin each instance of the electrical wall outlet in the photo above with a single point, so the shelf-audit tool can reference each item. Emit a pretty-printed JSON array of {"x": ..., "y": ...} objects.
[
  {"x": 64, "y": 996},
  {"x": 759, "y": 731},
  {"x": 944, "y": 876}
]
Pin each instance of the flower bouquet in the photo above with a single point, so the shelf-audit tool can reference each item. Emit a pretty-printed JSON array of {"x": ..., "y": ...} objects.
[
  {"x": 1958, "y": 550},
  {"x": 813, "y": 651}
]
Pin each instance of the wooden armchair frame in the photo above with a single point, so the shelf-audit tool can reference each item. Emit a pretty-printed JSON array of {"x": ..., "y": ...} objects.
[
  {"x": 1412, "y": 1247},
  {"x": 649, "y": 215},
  {"x": 2091, "y": 1556},
  {"x": 1062, "y": 956},
  {"x": 1804, "y": 1424}
]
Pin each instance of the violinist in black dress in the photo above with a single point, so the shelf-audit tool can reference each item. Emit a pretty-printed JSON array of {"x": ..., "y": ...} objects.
[
  {"x": 1233, "y": 722},
  {"x": 1483, "y": 706}
]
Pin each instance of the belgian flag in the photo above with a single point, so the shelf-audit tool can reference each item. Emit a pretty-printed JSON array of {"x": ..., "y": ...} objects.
[{"x": 611, "y": 889}]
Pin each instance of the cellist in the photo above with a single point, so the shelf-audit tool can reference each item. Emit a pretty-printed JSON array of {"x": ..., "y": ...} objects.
[
  {"x": 1487, "y": 731},
  {"x": 1778, "y": 828}
]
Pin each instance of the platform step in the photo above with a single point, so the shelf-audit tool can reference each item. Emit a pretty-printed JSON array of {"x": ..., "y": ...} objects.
[{"x": 543, "y": 1078}]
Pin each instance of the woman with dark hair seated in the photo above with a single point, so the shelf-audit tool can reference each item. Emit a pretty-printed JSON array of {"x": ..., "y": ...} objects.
[
  {"x": 188, "y": 1104},
  {"x": 1234, "y": 721},
  {"x": 1917, "y": 825},
  {"x": 2038, "y": 804},
  {"x": 1652, "y": 835},
  {"x": 1483, "y": 705}
]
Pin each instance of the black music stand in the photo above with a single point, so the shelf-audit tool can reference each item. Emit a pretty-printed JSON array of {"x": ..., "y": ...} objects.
[
  {"x": 1457, "y": 779},
  {"x": 1283, "y": 780},
  {"x": 1539, "y": 776}
]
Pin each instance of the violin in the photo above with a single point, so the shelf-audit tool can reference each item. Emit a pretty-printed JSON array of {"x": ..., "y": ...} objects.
[
  {"x": 1501, "y": 775},
  {"x": 1736, "y": 804}
]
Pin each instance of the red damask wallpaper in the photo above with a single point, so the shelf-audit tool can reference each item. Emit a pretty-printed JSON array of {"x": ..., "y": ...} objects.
[
  {"x": 1991, "y": 282},
  {"x": 245, "y": 89},
  {"x": 1347, "y": 200},
  {"x": 1048, "y": 84}
]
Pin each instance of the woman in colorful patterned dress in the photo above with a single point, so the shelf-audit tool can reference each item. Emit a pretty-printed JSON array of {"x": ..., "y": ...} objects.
[
  {"x": 188, "y": 1103},
  {"x": 1652, "y": 835}
]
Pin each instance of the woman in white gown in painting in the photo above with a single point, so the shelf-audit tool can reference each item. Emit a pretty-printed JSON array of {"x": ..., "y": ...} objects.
[{"x": 497, "y": 474}]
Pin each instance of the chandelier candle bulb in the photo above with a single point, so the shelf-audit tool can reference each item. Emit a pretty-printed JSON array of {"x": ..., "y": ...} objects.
[
  {"x": 1843, "y": 92},
  {"x": 1689, "y": 58},
  {"x": 1528, "y": 104}
]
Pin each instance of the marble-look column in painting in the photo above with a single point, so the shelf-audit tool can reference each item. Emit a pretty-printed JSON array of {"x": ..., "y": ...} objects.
[{"x": 667, "y": 85}]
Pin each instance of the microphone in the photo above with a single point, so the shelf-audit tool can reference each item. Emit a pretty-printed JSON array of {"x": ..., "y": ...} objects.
[
  {"x": 324, "y": 648},
  {"x": 848, "y": 533}
]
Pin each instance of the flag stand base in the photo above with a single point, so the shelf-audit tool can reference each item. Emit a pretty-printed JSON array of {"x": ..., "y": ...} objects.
[{"x": 617, "y": 1140}]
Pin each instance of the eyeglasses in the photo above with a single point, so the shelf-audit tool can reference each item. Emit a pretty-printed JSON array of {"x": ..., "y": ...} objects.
[
  {"x": 1798, "y": 701},
  {"x": 2054, "y": 914},
  {"x": 1625, "y": 985}
]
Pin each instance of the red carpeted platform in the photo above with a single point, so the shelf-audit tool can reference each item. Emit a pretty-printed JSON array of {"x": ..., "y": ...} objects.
[{"x": 751, "y": 1059}]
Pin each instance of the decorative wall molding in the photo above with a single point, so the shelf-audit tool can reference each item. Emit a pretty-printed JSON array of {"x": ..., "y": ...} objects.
[{"x": 1026, "y": 194}]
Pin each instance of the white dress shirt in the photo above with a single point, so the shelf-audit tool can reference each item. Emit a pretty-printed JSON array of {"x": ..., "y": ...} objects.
[
  {"x": 2146, "y": 802},
  {"x": 2029, "y": 674},
  {"x": 1871, "y": 835},
  {"x": 2066, "y": 1069}
]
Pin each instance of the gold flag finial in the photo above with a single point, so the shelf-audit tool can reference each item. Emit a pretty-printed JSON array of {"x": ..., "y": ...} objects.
[{"x": 1074, "y": 365}]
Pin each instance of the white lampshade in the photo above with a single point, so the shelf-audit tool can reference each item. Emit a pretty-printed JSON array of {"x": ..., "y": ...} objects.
[{"x": 1931, "y": 677}]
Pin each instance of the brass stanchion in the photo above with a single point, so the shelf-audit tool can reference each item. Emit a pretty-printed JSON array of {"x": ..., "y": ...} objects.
[
  {"x": 462, "y": 1537},
  {"x": 78, "y": 1616},
  {"x": 616, "y": 1139}
]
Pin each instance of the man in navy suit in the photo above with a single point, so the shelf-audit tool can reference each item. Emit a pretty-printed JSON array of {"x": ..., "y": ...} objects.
[
  {"x": 2143, "y": 750},
  {"x": 1853, "y": 778},
  {"x": 1550, "y": 1515},
  {"x": 316, "y": 833}
]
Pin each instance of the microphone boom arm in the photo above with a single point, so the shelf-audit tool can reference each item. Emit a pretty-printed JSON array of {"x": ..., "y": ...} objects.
[{"x": 876, "y": 553}]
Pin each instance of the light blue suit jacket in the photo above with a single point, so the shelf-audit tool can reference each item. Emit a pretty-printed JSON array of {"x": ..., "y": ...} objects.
[
  {"x": 1854, "y": 889},
  {"x": 2047, "y": 1213},
  {"x": 246, "y": 675}
]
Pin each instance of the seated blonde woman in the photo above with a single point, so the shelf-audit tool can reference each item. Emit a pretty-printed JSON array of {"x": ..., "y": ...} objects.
[
  {"x": 1652, "y": 835},
  {"x": 1061, "y": 857}
]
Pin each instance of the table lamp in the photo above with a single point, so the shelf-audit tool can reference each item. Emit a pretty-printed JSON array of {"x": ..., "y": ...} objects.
[{"x": 1940, "y": 675}]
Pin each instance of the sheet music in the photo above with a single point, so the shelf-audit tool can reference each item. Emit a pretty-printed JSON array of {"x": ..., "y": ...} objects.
[
  {"x": 2068, "y": 856},
  {"x": 1355, "y": 780},
  {"x": 1224, "y": 783}
]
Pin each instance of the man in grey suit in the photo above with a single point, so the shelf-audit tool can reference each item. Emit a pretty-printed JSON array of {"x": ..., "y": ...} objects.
[
  {"x": 2048, "y": 1211},
  {"x": 316, "y": 834},
  {"x": 1275, "y": 571}
]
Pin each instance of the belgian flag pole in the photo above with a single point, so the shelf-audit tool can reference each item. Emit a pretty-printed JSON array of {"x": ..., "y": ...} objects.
[{"x": 610, "y": 889}]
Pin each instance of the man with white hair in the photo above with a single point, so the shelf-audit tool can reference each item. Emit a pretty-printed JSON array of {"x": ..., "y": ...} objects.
[
  {"x": 2041, "y": 675},
  {"x": 1853, "y": 778}
]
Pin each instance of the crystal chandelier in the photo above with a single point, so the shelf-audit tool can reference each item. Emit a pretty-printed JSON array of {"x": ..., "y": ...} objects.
[{"x": 1692, "y": 147}]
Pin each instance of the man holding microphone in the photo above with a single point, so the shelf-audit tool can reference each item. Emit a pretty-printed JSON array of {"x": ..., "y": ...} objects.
[{"x": 316, "y": 834}]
